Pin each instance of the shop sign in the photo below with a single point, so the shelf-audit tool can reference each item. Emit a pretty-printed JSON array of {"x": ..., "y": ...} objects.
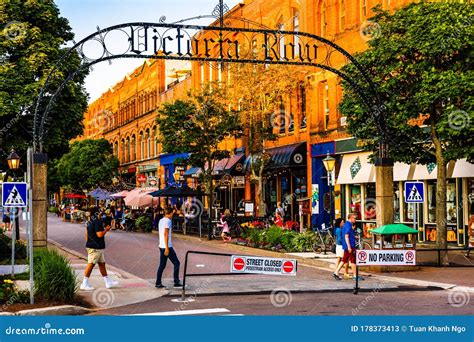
[
  {"x": 315, "y": 199},
  {"x": 152, "y": 181},
  {"x": 239, "y": 181},
  {"x": 258, "y": 265},
  {"x": 392, "y": 257},
  {"x": 239, "y": 167},
  {"x": 141, "y": 178}
]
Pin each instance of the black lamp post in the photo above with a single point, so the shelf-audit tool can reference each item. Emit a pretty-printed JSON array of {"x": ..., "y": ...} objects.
[
  {"x": 14, "y": 164},
  {"x": 329, "y": 163}
]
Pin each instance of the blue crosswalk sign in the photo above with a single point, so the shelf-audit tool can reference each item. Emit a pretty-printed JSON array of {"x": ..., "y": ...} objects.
[
  {"x": 414, "y": 192},
  {"x": 14, "y": 195}
]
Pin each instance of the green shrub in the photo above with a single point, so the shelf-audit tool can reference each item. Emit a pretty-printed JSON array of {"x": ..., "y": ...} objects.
[
  {"x": 53, "y": 209},
  {"x": 287, "y": 239},
  {"x": 10, "y": 294},
  {"x": 273, "y": 235},
  {"x": 144, "y": 223},
  {"x": 255, "y": 236},
  {"x": 55, "y": 280},
  {"x": 6, "y": 249},
  {"x": 303, "y": 242}
]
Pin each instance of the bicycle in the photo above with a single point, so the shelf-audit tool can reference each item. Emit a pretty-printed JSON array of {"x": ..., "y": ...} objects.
[
  {"x": 324, "y": 240},
  {"x": 360, "y": 242}
]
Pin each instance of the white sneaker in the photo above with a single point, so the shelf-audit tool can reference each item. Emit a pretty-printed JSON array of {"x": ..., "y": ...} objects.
[
  {"x": 86, "y": 287},
  {"x": 111, "y": 283}
]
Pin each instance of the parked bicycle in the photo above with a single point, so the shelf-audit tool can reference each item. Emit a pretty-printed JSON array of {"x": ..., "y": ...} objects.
[
  {"x": 360, "y": 242},
  {"x": 324, "y": 241}
]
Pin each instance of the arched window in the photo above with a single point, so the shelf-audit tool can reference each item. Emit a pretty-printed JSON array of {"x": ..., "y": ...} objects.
[
  {"x": 128, "y": 150},
  {"x": 281, "y": 116},
  {"x": 323, "y": 19},
  {"x": 302, "y": 104},
  {"x": 122, "y": 150},
  {"x": 296, "y": 28},
  {"x": 155, "y": 130},
  {"x": 134, "y": 147},
  {"x": 142, "y": 146},
  {"x": 342, "y": 15},
  {"x": 148, "y": 143}
]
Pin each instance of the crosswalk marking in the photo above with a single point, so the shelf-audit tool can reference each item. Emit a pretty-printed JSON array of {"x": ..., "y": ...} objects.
[{"x": 183, "y": 312}]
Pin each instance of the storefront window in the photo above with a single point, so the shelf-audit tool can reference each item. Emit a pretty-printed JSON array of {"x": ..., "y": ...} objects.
[
  {"x": 285, "y": 193},
  {"x": 470, "y": 196},
  {"x": 396, "y": 202},
  {"x": 354, "y": 200},
  {"x": 370, "y": 203},
  {"x": 450, "y": 202}
]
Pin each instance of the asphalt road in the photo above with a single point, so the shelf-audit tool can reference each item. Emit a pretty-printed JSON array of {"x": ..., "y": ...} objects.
[{"x": 137, "y": 253}]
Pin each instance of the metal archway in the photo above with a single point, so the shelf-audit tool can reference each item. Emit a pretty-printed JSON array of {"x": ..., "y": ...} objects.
[{"x": 218, "y": 43}]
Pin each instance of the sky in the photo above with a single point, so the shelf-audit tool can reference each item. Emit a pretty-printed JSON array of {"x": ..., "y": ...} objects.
[{"x": 85, "y": 15}]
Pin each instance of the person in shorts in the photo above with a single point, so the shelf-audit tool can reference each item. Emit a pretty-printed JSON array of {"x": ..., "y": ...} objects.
[
  {"x": 349, "y": 245},
  {"x": 339, "y": 249},
  {"x": 95, "y": 246}
]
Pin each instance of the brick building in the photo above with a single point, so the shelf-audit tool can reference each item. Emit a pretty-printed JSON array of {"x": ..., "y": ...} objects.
[{"x": 125, "y": 115}]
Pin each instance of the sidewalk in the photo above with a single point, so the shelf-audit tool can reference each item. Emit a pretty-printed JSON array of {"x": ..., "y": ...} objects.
[
  {"x": 131, "y": 289},
  {"x": 442, "y": 277}
]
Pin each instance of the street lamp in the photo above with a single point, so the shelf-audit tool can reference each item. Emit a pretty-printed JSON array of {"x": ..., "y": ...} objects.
[
  {"x": 329, "y": 163},
  {"x": 13, "y": 161}
]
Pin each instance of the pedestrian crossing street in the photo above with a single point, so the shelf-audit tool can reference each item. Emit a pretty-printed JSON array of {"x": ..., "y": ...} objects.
[{"x": 204, "y": 312}]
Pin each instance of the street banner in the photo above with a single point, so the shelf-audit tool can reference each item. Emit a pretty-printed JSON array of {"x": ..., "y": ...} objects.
[
  {"x": 395, "y": 257},
  {"x": 258, "y": 265}
]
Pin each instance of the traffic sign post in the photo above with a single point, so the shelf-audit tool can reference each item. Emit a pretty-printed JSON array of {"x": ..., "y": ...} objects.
[
  {"x": 14, "y": 196},
  {"x": 415, "y": 193}
]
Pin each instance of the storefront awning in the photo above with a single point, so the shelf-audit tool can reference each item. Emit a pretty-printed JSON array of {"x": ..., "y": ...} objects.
[
  {"x": 425, "y": 172},
  {"x": 402, "y": 172},
  {"x": 356, "y": 168},
  {"x": 227, "y": 164},
  {"x": 193, "y": 172},
  {"x": 286, "y": 156},
  {"x": 463, "y": 169},
  {"x": 167, "y": 159}
]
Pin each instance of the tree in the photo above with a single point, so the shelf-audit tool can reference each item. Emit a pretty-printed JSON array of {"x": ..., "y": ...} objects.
[
  {"x": 258, "y": 91},
  {"x": 421, "y": 59},
  {"x": 88, "y": 164},
  {"x": 197, "y": 126},
  {"x": 32, "y": 38}
]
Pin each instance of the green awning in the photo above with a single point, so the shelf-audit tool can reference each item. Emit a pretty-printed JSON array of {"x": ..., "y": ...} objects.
[{"x": 394, "y": 228}]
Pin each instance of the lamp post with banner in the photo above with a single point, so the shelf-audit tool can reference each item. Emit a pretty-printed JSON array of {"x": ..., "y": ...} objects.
[{"x": 329, "y": 164}]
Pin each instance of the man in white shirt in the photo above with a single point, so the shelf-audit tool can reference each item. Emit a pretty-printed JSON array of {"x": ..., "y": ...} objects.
[{"x": 165, "y": 228}]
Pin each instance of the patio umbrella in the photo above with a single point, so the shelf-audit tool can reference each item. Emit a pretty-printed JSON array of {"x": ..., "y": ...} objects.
[
  {"x": 394, "y": 228},
  {"x": 171, "y": 191},
  {"x": 120, "y": 194},
  {"x": 140, "y": 198},
  {"x": 95, "y": 192}
]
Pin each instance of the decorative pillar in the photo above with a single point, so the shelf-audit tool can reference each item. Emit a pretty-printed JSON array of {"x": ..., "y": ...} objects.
[
  {"x": 384, "y": 190},
  {"x": 40, "y": 200}
]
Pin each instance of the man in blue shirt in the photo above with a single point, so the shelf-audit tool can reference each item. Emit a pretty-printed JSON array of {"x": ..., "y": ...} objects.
[{"x": 348, "y": 244}]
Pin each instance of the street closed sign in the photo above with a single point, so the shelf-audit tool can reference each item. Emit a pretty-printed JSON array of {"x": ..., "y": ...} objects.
[
  {"x": 258, "y": 265},
  {"x": 369, "y": 257}
]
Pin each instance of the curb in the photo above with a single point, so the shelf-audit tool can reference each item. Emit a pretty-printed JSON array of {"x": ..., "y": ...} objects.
[{"x": 66, "y": 310}]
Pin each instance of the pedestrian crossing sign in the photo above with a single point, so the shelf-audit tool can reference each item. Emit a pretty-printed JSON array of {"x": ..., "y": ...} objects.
[
  {"x": 414, "y": 192},
  {"x": 14, "y": 194}
]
